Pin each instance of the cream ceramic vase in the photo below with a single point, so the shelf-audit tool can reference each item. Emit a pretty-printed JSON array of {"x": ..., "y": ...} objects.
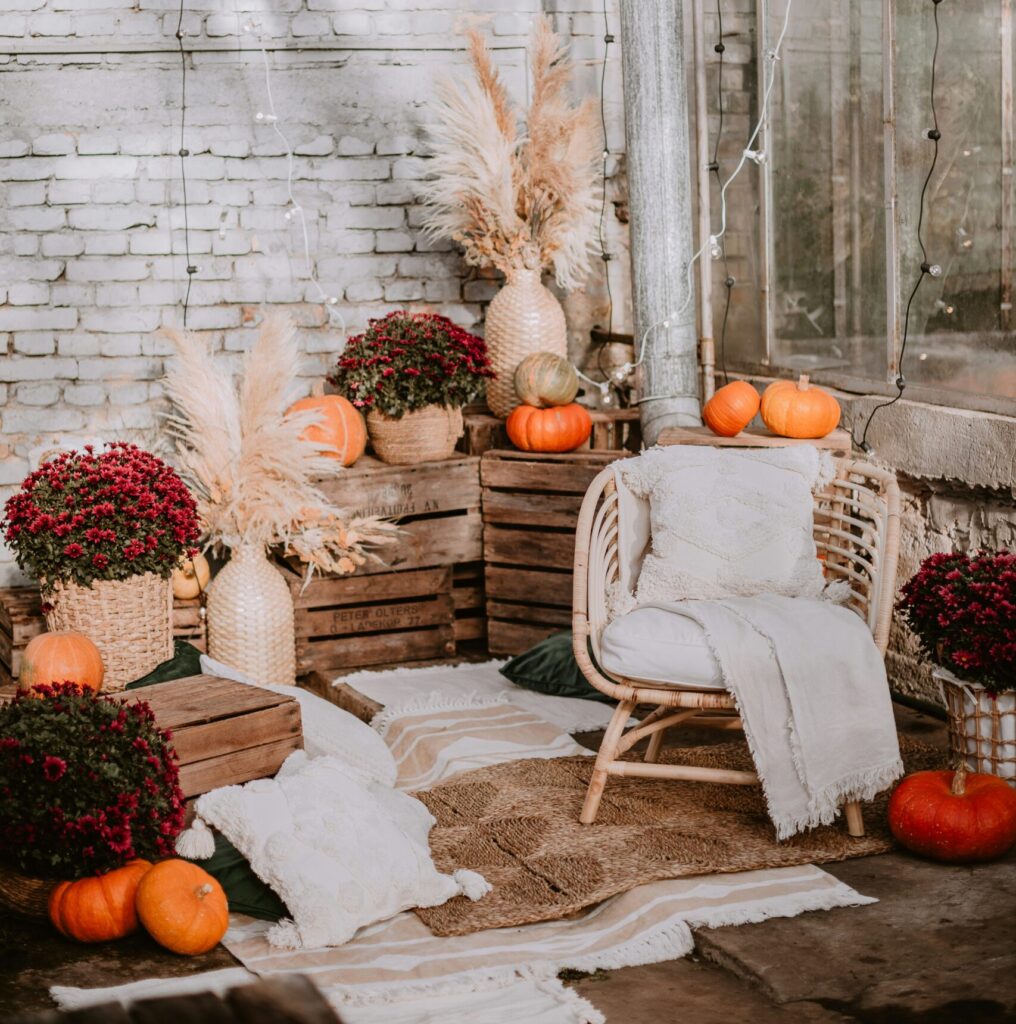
[
  {"x": 524, "y": 317},
  {"x": 250, "y": 618},
  {"x": 424, "y": 435}
]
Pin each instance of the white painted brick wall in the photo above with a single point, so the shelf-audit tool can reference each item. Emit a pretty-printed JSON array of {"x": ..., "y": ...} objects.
[{"x": 91, "y": 229}]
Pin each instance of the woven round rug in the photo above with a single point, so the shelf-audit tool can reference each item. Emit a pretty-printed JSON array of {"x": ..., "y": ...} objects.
[{"x": 517, "y": 824}]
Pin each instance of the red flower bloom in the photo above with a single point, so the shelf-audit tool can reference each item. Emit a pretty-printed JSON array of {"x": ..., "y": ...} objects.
[{"x": 53, "y": 768}]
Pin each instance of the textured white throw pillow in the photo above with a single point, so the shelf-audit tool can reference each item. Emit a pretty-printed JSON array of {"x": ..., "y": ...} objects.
[
  {"x": 728, "y": 522},
  {"x": 340, "y": 852},
  {"x": 328, "y": 731}
]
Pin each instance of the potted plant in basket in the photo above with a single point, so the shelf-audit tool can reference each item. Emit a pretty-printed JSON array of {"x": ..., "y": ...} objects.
[
  {"x": 522, "y": 201},
  {"x": 411, "y": 373},
  {"x": 88, "y": 783},
  {"x": 102, "y": 531},
  {"x": 962, "y": 608}
]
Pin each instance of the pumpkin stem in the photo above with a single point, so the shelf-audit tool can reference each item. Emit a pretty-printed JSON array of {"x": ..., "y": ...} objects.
[
  {"x": 203, "y": 890},
  {"x": 803, "y": 382},
  {"x": 959, "y": 781}
]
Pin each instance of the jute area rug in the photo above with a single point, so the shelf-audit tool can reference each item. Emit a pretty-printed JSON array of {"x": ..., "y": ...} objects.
[{"x": 517, "y": 824}]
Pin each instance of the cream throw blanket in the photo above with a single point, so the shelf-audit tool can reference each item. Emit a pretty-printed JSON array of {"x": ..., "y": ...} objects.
[{"x": 808, "y": 680}]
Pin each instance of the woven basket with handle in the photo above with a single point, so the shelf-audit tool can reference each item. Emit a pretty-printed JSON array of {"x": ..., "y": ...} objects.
[
  {"x": 524, "y": 317},
  {"x": 130, "y": 621}
]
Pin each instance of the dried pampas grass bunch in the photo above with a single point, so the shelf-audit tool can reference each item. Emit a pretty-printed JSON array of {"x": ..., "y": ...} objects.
[
  {"x": 515, "y": 198},
  {"x": 244, "y": 460}
]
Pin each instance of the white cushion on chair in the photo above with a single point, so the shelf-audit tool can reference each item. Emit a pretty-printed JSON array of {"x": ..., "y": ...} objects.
[{"x": 660, "y": 646}]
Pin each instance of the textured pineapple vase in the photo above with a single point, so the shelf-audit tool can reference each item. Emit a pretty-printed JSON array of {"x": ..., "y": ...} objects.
[
  {"x": 424, "y": 435},
  {"x": 524, "y": 317},
  {"x": 130, "y": 621},
  {"x": 250, "y": 618}
]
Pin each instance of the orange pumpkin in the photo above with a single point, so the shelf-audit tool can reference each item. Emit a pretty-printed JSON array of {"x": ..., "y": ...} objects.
[
  {"x": 544, "y": 378},
  {"x": 957, "y": 817},
  {"x": 799, "y": 409},
  {"x": 100, "y": 908},
  {"x": 559, "y": 429},
  {"x": 182, "y": 907},
  {"x": 341, "y": 431},
  {"x": 731, "y": 408},
  {"x": 61, "y": 657}
]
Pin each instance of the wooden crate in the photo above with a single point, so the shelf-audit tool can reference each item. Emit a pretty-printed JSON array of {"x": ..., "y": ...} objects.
[
  {"x": 437, "y": 505},
  {"x": 358, "y": 621},
  {"x": 21, "y": 619},
  {"x": 224, "y": 733},
  {"x": 838, "y": 441},
  {"x": 530, "y": 509},
  {"x": 613, "y": 430}
]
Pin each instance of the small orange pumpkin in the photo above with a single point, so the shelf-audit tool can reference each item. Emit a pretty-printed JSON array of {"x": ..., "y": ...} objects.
[
  {"x": 559, "y": 429},
  {"x": 731, "y": 408},
  {"x": 182, "y": 907},
  {"x": 341, "y": 431},
  {"x": 956, "y": 817},
  {"x": 100, "y": 908},
  {"x": 545, "y": 378},
  {"x": 799, "y": 409},
  {"x": 191, "y": 578},
  {"x": 62, "y": 656}
]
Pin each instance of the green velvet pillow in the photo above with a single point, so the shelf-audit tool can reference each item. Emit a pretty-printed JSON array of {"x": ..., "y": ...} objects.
[
  {"x": 186, "y": 661},
  {"x": 246, "y": 893},
  {"x": 550, "y": 668}
]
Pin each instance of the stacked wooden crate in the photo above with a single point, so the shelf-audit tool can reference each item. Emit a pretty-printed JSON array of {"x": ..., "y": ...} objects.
[
  {"x": 613, "y": 429},
  {"x": 425, "y": 597},
  {"x": 530, "y": 510},
  {"x": 21, "y": 619}
]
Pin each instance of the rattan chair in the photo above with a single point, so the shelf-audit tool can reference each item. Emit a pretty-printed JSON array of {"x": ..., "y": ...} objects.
[{"x": 857, "y": 537}]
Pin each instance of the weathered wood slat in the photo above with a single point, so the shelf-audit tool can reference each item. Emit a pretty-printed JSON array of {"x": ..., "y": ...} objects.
[
  {"x": 470, "y": 628},
  {"x": 237, "y": 767},
  {"x": 513, "y": 584},
  {"x": 530, "y": 548},
  {"x": 325, "y": 591},
  {"x": 374, "y": 649},
  {"x": 515, "y": 637},
  {"x": 555, "y": 510},
  {"x": 430, "y": 610},
  {"x": 838, "y": 440},
  {"x": 568, "y": 474},
  {"x": 214, "y": 739},
  {"x": 549, "y": 615}
]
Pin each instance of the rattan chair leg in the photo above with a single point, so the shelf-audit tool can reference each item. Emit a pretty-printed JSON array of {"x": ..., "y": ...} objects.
[
  {"x": 653, "y": 750},
  {"x": 855, "y": 819},
  {"x": 607, "y": 754}
]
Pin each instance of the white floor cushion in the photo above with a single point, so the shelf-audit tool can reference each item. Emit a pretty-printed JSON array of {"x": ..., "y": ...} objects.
[{"x": 660, "y": 646}]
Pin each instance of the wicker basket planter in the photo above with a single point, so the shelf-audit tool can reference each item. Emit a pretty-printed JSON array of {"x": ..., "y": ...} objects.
[
  {"x": 982, "y": 728},
  {"x": 250, "y": 618},
  {"x": 524, "y": 317},
  {"x": 424, "y": 435},
  {"x": 20, "y": 894},
  {"x": 130, "y": 621}
]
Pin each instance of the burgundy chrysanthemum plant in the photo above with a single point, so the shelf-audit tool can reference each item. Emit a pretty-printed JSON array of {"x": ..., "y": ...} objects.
[
  {"x": 87, "y": 783},
  {"x": 962, "y": 609},
  {"x": 405, "y": 361},
  {"x": 109, "y": 515}
]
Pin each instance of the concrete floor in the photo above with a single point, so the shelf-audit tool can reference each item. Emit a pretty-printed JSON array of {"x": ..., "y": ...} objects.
[{"x": 940, "y": 948}]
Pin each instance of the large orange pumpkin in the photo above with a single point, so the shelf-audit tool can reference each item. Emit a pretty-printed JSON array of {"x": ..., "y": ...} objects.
[
  {"x": 191, "y": 578},
  {"x": 731, "y": 408},
  {"x": 559, "y": 429},
  {"x": 799, "y": 409},
  {"x": 99, "y": 908},
  {"x": 341, "y": 431},
  {"x": 955, "y": 817},
  {"x": 62, "y": 656},
  {"x": 182, "y": 907},
  {"x": 545, "y": 378}
]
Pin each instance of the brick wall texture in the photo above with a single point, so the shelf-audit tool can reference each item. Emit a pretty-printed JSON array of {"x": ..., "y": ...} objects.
[{"x": 92, "y": 258}]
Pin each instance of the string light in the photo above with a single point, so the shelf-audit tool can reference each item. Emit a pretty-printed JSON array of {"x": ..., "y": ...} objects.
[
  {"x": 719, "y": 48},
  {"x": 183, "y": 153},
  {"x": 295, "y": 211},
  {"x": 748, "y": 154},
  {"x": 927, "y": 268}
]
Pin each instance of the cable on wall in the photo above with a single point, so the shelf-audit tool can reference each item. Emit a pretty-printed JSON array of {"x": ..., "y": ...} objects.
[
  {"x": 926, "y": 269},
  {"x": 714, "y": 166},
  {"x": 183, "y": 153}
]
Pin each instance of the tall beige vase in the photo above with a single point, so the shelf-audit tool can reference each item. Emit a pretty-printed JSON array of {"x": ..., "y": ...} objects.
[
  {"x": 250, "y": 618},
  {"x": 524, "y": 317}
]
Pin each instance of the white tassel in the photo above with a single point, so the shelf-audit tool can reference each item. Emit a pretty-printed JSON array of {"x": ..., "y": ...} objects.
[
  {"x": 473, "y": 885},
  {"x": 197, "y": 842}
]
